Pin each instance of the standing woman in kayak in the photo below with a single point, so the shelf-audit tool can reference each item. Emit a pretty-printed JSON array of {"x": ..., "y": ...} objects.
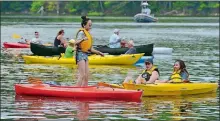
[
  {"x": 59, "y": 39},
  {"x": 84, "y": 46},
  {"x": 179, "y": 75}
]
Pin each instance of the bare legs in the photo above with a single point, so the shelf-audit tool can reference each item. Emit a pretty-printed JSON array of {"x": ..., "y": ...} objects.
[{"x": 83, "y": 69}]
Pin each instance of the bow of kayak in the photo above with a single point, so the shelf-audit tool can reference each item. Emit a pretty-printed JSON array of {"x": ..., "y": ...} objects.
[
  {"x": 160, "y": 89},
  {"x": 163, "y": 89},
  {"x": 15, "y": 45}
]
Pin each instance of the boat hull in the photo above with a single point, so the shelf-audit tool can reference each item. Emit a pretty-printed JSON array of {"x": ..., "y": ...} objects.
[
  {"x": 77, "y": 92},
  {"x": 144, "y": 18}
]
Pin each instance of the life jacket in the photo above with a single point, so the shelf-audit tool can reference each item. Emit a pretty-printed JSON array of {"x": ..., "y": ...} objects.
[
  {"x": 176, "y": 77},
  {"x": 147, "y": 73},
  {"x": 86, "y": 45}
]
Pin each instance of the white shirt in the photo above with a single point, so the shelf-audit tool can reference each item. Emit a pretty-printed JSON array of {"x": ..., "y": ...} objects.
[
  {"x": 146, "y": 11},
  {"x": 114, "y": 41},
  {"x": 36, "y": 40}
]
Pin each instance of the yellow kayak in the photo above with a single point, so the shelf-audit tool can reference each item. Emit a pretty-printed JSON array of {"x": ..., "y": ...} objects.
[
  {"x": 163, "y": 89},
  {"x": 125, "y": 59}
]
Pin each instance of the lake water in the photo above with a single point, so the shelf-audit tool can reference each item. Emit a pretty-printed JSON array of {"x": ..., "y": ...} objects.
[{"x": 195, "y": 43}]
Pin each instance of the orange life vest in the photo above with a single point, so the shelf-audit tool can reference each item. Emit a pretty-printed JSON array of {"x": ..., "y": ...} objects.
[{"x": 85, "y": 45}]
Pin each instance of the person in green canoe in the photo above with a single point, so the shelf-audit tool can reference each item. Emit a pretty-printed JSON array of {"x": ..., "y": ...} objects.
[{"x": 70, "y": 50}]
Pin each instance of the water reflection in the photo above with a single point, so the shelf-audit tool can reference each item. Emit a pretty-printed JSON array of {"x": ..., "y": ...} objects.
[
  {"x": 156, "y": 108},
  {"x": 82, "y": 109},
  {"x": 180, "y": 107}
]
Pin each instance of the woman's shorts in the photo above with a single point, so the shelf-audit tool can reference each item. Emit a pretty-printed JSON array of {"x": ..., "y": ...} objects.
[{"x": 81, "y": 56}]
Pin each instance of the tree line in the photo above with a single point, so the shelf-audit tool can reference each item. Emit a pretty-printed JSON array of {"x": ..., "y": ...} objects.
[{"x": 111, "y": 8}]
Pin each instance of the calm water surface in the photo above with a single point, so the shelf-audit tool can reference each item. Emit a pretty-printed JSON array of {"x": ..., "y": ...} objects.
[{"x": 195, "y": 43}]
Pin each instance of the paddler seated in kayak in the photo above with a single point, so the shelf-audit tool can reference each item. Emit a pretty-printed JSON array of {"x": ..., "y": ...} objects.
[
  {"x": 84, "y": 41},
  {"x": 60, "y": 40},
  {"x": 115, "y": 40},
  {"x": 70, "y": 49},
  {"x": 35, "y": 40},
  {"x": 179, "y": 75},
  {"x": 132, "y": 49},
  {"x": 148, "y": 76}
]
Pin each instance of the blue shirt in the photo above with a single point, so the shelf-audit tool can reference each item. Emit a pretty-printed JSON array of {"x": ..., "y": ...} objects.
[
  {"x": 131, "y": 51},
  {"x": 114, "y": 41}
]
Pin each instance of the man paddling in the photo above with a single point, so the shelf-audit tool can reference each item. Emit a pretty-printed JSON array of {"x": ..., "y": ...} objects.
[
  {"x": 35, "y": 40},
  {"x": 115, "y": 40}
]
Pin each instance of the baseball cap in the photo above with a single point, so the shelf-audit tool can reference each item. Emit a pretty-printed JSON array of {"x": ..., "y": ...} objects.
[
  {"x": 116, "y": 30},
  {"x": 150, "y": 60}
]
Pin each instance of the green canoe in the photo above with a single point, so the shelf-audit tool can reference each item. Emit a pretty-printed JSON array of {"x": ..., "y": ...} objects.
[
  {"x": 147, "y": 49},
  {"x": 42, "y": 50}
]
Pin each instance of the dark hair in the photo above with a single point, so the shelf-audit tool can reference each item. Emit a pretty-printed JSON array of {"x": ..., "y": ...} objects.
[
  {"x": 182, "y": 66},
  {"x": 36, "y": 32},
  {"x": 84, "y": 21},
  {"x": 60, "y": 32}
]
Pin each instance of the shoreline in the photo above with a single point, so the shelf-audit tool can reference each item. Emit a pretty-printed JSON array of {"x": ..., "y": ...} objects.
[{"x": 66, "y": 19}]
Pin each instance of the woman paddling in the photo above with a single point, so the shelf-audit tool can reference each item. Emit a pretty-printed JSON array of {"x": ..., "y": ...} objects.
[
  {"x": 84, "y": 46},
  {"x": 59, "y": 39}
]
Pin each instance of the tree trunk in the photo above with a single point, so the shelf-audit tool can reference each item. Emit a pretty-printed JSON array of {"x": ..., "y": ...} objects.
[
  {"x": 100, "y": 2},
  {"x": 58, "y": 8}
]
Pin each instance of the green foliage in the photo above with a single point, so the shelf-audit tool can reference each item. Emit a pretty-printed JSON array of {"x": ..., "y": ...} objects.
[
  {"x": 113, "y": 8},
  {"x": 14, "y": 6},
  {"x": 95, "y": 14},
  {"x": 51, "y": 6},
  {"x": 35, "y": 6}
]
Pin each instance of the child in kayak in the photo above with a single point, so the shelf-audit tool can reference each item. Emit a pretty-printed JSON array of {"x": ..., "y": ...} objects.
[
  {"x": 180, "y": 74},
  {"x": 149, "y": 75},
  {"x": 69, "y": 53}
]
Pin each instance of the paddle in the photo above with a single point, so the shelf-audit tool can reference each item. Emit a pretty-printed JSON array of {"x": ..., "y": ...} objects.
[
  {"x": 17, "y": 36},
  {"x": 34, "y": 80}
]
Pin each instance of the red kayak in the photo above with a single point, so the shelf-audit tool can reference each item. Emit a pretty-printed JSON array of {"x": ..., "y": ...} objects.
[
  {"x": 78, "y": 92},
  {"x": 15, "y": 45}
]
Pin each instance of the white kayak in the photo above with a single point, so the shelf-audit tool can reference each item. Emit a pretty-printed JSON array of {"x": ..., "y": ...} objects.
[{"x": 162, "y": 50}]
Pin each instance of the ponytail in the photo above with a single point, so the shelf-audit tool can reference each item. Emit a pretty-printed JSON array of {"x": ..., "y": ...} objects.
[{"x": 84, "y": 21}]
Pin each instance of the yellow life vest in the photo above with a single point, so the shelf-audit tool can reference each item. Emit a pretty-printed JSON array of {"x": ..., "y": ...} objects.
[
  {"x": 176, "y": 77},
  {"x": 149, "y": 72},
  {"x": 86, "y": 45}
]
